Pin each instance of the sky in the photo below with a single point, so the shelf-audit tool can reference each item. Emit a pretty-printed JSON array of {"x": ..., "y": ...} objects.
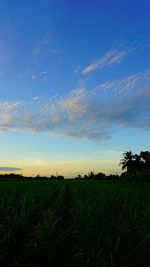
[{"x": 74, "y": 85}]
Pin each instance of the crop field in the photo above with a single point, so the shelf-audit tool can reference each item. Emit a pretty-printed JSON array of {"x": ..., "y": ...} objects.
[{"x": 74, "y": 223}]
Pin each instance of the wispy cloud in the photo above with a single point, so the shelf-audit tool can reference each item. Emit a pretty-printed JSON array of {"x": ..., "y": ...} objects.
[
  {"x": 111, "y": 57},
  {"x": 42, "y": 43},
  {"x": 40, "y": 76},
  {"x": 9, "y": 169},
  {"x": 46, "y": 45},
  {"x": 83, "y": 113}
]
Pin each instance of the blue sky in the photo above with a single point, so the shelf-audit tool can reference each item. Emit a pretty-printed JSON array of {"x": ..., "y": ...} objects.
[{"x": 74, "y": 85}]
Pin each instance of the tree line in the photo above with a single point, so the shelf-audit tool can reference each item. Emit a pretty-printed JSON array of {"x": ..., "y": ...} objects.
[{"x": 135, "y": 166}]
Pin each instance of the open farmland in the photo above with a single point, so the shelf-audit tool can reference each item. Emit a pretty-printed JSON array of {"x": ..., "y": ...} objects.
[{"x": 74, "y": 223}]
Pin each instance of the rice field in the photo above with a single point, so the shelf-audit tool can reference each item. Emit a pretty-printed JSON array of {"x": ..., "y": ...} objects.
[{"x": 74, "y": 223}]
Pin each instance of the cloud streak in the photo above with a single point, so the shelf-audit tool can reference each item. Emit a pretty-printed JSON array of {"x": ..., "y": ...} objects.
[
  {"x": 82, "y": 113},
  {"x": 9, "y": 169},
  {"x": 111, "y": 57},
  {"x": 40, "y": 76}
]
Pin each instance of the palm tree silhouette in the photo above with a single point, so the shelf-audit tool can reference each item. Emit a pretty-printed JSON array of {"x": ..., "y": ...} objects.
[
  {"x": 145, "y": 158},
  {"x": 138, "y": 164},
  {"x": 127, "y": 161},
  {"x": 134, "y": 162}
]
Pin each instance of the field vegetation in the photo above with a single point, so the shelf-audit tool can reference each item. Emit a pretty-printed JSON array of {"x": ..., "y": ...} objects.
[{"x": 74, "y": 223}]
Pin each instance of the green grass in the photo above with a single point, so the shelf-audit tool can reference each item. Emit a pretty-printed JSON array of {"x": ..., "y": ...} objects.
[{"x": 74, "y": 223}]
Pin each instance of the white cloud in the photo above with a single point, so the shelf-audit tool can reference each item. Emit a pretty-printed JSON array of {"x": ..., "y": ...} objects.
[
  {"x": 83, "y": 113},
  {"x": 33, "y": 77},
  {"x": 35, "y": 98},
  {"x": 112, "y": 56}
]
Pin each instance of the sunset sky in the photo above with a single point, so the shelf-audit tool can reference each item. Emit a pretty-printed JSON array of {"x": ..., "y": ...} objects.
[{"x": 74, "y": 85}]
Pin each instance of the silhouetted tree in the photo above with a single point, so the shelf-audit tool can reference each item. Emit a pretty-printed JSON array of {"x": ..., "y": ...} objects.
[
  {"x": 145, "y": 158},
  {"x": 138, "y": 166},
  {"x": 78, "y": 177},
  {"x": 100, "y": 176},
  {"x": 127, "y": 161},
  {"x": 58, "y": 177},
  {"x": 91, "y": 175},
  {"x": 137, "y": 163}
]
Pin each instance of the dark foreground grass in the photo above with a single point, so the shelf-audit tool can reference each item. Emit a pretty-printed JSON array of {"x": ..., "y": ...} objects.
[{"x": 74, "y": 223}]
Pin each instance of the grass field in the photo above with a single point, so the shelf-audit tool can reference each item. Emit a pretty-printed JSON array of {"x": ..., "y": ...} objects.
[{"x": 74, "y": 223}]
